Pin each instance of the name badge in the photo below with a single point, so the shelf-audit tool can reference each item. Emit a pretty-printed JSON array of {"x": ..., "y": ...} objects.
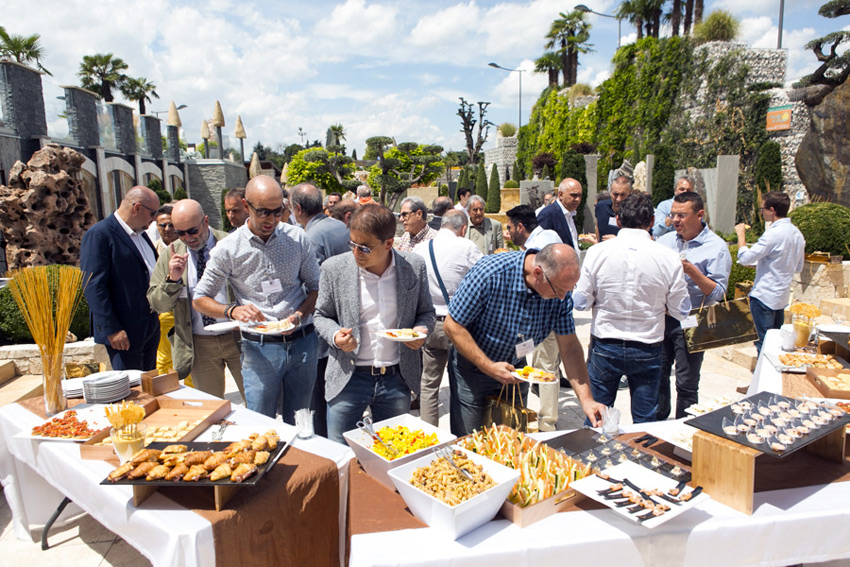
[
  {"x": 690, "y": 322},
  {"x": 524, "y": 348},
  {"x": 271, "y": 286},
  {"x": 184, "y": 293},
  {"x": 612, "y": 221}
]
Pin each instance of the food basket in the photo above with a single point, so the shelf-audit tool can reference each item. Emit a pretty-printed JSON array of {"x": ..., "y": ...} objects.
[
  {"x": 454, "y": 521},
  {"x": 376, "y": 465}
]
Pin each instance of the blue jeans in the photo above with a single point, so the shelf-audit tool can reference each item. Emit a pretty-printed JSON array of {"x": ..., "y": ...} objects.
[
  {"x": 269, "y": 369},
  {"x": 387, "y": 395},
  {"x": 469, "y": 389},
  {"x": 765, "y": 319},
  {"x": 641, "y": 364}
]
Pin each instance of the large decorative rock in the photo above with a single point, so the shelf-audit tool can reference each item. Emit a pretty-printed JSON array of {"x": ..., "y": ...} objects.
[
  {"x": 44, "y": 211},
  {"x": 823, "y": 160}
]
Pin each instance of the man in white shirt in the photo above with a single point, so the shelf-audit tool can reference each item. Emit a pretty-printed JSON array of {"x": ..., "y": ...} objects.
[
  {"x": 524, "y": 232},
  {"x": 179, "y": 268},
  {"x": 361, "y": 294},
  {"x": 630, "y": 282},
  {"x": 777, "y": 256},
  {"x": 463, "y": 200},
  {"x": 547, "y": 199},
  {"x": 454, "y": 255}
]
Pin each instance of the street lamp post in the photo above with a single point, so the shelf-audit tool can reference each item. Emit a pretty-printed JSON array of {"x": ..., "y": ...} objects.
[
  {"x": 583, "y": 8},
  {"x": 781, "y": 18},
  {"x": 520, "y": 71},
  {"x": 158, "y": 112}
]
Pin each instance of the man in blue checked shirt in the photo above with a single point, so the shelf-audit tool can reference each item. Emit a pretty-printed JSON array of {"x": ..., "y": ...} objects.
[
  {"x": 507, "y": 304},
  {"x": 706, "y": 262}
]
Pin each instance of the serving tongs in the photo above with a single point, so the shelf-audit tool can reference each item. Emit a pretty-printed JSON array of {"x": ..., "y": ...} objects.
[
  {"x": 446, "y": 453},
  {"x": 365, "y": 426}
]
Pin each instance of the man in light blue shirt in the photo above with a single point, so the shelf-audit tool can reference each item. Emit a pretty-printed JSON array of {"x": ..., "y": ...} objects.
[
  {"x": 663, "y": 223},
  {"x": 706, "y": 262},
  {"x": 777, "y": 256}
]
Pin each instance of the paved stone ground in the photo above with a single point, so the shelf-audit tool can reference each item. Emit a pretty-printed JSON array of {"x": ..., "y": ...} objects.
[{"x": 84, "y": 542}]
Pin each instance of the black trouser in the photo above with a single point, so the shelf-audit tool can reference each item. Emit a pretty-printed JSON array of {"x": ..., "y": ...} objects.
[
  {"x": 688, "y": 367},
  {"x": 318, "y": 403}
]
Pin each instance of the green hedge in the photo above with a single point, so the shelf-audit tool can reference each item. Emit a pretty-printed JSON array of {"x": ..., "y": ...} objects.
[
  {"x": 13, "y": 327},
  {"x": 738, "y": 273},
  {"x": 825, "y": 226}
]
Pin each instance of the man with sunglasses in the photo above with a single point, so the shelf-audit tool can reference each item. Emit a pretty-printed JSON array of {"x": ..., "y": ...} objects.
[
  {"x": 413, "y": 215},
  {"x": 506, "y": 304},
  {"x": 273, "y": 272},
  {"x": 630, "y": 282},
  {"x": 373, "y": 289},
  {"x": 180, "y": 266},
  {"x": 120, "y": 258}
]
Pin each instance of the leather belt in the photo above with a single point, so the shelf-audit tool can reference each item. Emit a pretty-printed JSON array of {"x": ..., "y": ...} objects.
[
  {"x": 441, "y": 317},
  {"x": 379, "y": 370},
  {"x": 302, "y": 332},
  {"x": 630, "y": 344}
]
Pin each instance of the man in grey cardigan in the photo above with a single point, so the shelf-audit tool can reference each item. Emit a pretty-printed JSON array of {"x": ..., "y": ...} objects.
[
  {"x": 178, "y": 270},
  {"x": 361, "y": 294}
]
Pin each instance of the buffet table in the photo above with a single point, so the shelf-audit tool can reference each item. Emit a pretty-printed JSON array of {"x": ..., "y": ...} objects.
[
  {"x": 37, "y": 474},
  {"x": 808, "y": 524}
]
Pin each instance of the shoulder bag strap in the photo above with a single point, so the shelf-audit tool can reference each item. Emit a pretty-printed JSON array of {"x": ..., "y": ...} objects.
[{"x": 437, "y": 271}]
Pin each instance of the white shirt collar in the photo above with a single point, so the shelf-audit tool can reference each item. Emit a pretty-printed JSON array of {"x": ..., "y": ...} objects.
[{"x": 126, "y": 227}]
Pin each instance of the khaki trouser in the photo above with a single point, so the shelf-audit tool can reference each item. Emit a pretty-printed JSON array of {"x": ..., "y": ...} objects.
[
  {"x": 546, "y": 357},
  {"x": 212, "y": 352}
]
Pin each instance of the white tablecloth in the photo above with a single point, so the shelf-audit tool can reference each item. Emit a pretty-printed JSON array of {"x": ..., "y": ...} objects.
[
  {"x": 804, "y": 525},
  {"x": 766, "y": 378},
  {"x": 37, "y": 474}
]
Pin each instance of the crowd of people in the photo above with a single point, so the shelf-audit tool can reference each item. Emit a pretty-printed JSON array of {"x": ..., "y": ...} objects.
[{"x": 167, "y": 290}]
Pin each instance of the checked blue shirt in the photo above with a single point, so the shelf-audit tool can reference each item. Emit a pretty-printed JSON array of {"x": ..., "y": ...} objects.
[{"x": 499, "y": 310}]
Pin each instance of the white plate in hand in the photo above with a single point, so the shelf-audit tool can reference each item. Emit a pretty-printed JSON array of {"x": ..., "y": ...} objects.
[
  {"x": 395, "y": 335},
  {"x": 222, "y": 327},
  {"x": 268, "y": 327}
]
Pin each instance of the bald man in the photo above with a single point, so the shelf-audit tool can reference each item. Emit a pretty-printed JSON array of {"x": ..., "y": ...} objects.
[
  {"x": 120, "y": 258},
  {"x": 273, "y": 272},
  {"x": 560, "y": 214},
  {"x": 195, "y": 350}
]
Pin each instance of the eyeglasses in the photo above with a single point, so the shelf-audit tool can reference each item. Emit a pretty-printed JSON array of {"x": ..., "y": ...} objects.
[
  {"x": 263, "y": 213},
  {"x": 548, "y": 281},
  {"x": 363, "y": 249},
  {"x": 678, "y": 216},
  {"x": 404, "y": 215},
  {"x": 152, "y": 211},
  {"x": 190, "y": 231},
  {"x": 165, "y": 225}
]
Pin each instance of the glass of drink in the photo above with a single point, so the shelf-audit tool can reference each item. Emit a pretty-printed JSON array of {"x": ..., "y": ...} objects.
[
  {"x": 802, "y": 330},
  {"x": 128, "y": 440}
]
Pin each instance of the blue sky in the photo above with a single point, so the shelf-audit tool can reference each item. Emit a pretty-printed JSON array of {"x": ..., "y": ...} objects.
[{"x": 379, "y": 68}]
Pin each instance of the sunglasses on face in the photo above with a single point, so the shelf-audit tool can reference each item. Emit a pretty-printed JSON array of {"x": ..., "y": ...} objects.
[
  {"x": 360, "y": 247},
  {"x": 165, "y": 226},
  {"x": 189, "y": 231},
  {"x": 265, "y": 213}
]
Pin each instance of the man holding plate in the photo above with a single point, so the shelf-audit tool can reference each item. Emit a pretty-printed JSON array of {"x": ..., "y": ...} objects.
[
  {"x": 375, "y": 312},
  {"x": 273, "y": 272}
]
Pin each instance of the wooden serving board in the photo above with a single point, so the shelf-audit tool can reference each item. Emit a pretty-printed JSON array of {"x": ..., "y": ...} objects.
[
  {"x": 163, "y": 411},
  {"x": 816, "y": 377}
]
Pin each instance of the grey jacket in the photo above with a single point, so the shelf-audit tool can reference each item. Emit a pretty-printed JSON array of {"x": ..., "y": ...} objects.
[
  {"x": 165, "y": 296},
  {"x": 338, "y": 306}
]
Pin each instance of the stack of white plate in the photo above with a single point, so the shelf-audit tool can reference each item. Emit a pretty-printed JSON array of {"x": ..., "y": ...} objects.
[
  {"x": 73, "y": 387},
  {"x": 99, "y": 389}
]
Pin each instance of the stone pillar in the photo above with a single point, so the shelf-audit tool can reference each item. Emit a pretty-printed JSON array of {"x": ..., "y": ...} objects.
[
  {"x": 208, "y": 179},
  {"x": 590, "y": 163},
  {"x": 152, "y": 132},
  {"x": 172, "y": 134},
  {"x": 81, "y": 108},
  {"x": 726, "y": 194},
  {"x": 22, "y": 97},
  {"x": 166, "y": 179},
  {"x": 125, "y": 133},
  {"x": 650, "y": 163}
]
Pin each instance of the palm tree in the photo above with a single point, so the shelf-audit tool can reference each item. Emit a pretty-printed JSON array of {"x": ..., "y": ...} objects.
[
  {"x": 22, "y": 49},
  {"x": 569, "y": 35},
  {"x": 549, "y": 63},
  {"x": 100, "y": 73},
  {"x": 689, "y": 16},
  {"x": 676, "y": 17},
  {"x": 633, "y": 12},
  {"x": 335, "y": 137},
  {"x": 138, "y": 90}
]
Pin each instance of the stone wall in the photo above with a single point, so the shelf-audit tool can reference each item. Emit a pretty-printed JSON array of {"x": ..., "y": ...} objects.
[
  {"x": 23, "y": 105},
  {"x": 27, "y": 358},
  {"x": 208, "y": 178},
  {"x": 789, "y": 141},
  {"x": 503, "y": 155},
  {"x": 821, "y": 281},
  {"x": 81, "y": 109}
]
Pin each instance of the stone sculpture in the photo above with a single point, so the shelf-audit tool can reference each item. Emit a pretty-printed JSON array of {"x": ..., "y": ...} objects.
[{"x": 44, "y": 211}]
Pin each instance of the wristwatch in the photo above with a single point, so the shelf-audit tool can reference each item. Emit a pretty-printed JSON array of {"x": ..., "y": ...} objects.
[{"x": 169, "y": 280}]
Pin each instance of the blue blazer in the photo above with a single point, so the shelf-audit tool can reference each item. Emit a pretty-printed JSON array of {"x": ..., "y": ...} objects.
[
  {"x": 552, "y": 218},
  {"x": 116, "y": 292}
]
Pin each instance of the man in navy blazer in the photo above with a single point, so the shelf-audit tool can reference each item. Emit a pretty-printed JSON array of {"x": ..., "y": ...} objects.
[
  {"x": 120, "y": 258},
  {"x": 559, "y": 214}
]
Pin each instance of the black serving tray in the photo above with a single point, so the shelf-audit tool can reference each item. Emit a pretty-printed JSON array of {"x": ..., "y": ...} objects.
[
  {"x": 711, "y": 422},
  {"x": 201, "y": 446}
]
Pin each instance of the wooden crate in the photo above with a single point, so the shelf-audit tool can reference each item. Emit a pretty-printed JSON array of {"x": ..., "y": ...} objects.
[
  {"x": 163, "y": 411},
  {"x": 156, "y": 384},
  {"x": 816, "y": 377}
]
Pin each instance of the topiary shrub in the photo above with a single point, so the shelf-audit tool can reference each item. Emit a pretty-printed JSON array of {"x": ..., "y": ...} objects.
[
  {"x": 13, "y": 326},
  {"x": 180, "y": 193},
  {"x": 507, "y": 129},
  {"x": 494, "y": 192},
  {"x": 545, "y": 173},
  {"x": 573, "y": 165},
  {"x": 511, "y": 184},
  {"x": 481, "y": 181},
  {"x": 825, "y": 226},
  {"x": 738, "y": 273},
  {"x": 720, "y": 25}
]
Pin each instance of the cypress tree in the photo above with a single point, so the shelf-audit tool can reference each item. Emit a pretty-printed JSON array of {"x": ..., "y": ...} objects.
[
  {"x": 517, "y": 172},
  {"x": 481, "y": 181},
  {"x": 545, "y": 173},
  {"x": 494, "y": 193},
  {"x": 462, "y": 181}
]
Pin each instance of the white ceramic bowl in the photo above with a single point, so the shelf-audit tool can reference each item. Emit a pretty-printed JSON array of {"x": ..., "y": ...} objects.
[
  {"x": 376, "y": 465},
  {"x": 455, "y": 521}
]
